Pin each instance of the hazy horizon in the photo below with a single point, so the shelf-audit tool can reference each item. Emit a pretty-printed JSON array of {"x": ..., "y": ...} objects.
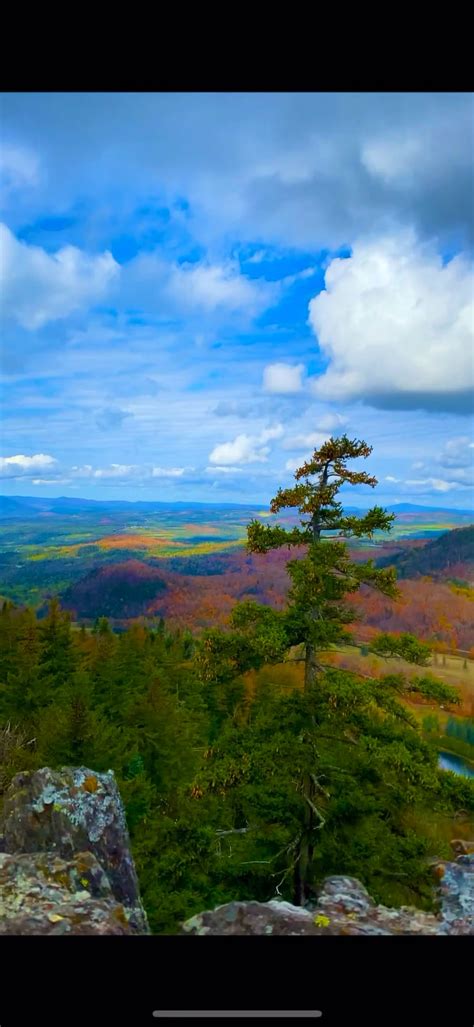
[{"x": 220, "y": 503}]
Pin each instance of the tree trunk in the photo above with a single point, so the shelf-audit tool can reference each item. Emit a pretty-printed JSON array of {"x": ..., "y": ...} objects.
[
  {"x": 300, "y": 885},
  {"x": 311, "y": 666}
]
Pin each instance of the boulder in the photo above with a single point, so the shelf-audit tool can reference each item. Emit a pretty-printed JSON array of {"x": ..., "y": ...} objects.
[
  {"x": 345, "y": 907},
  {"x": 456, "y": 885},
  {"x": 40, "y": 893},
  {"x": 69, "y": 815}
]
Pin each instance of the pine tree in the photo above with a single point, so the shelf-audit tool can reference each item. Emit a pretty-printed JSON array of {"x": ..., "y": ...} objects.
[
  {"x": 317, "y": 615},
  {"x": 58, "y": 659},
  {"x": 317, "y": 618}
]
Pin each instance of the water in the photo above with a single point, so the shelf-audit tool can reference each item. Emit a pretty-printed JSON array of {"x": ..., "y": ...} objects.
[{"x": 448, "y": 761}]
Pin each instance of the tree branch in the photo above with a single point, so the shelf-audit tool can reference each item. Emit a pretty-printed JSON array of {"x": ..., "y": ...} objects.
[
  {"x": 332, "y": 738},
  {"x": 316, "y": 812},
  {"x": 234, "y": 830}
]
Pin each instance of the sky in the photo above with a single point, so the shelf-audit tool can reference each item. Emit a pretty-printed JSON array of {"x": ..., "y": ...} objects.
[{"x": 197, "y": 289}]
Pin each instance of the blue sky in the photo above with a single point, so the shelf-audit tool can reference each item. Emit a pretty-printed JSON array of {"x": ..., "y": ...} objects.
[{"x": 197, "y": 289}]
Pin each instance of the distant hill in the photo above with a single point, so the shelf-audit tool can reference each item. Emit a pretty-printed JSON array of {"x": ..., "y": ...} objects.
[
  {"x": 27, "y": 506},
  {"x": 451, "y": 555},
  {"x": 122, "y": 591}
]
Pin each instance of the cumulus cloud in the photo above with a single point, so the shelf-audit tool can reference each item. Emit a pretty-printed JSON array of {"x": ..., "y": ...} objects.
[
  {"x": 245, "y": 449},
  {"x": 24, "y": 466},
  {"x": 396, "y": 325},
  {"x": 283, "y": 378},
  {"x": 38, "y": 287}
]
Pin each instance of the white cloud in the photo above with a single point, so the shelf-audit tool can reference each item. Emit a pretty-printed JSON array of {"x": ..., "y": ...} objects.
[
  {"x": 129, "y": 472},
  {"x": 115, "y": 471},
  {"x": 329, "y": 422},
  {"x": 388, "y": 477},
  {"x": 395, "y": 320},
  {"x": 271, "y": 433},
  {"x": 307, "y": 272},
  {"x": 38, "y": 287},
  {"x": 224, "y": 470},
  {"x": 205, "y": 288},
  {"x": 23, "y": 466},
  {"x": 19, "y": 167},
  {"x": 242, "y": 450},
  {"x": 259, "y": 256},
  {"x": 213, "y": 286},
  {"x": 294, "y": 462},
  {"x": 245, "y": 449},
  {"x": 455, "y": 452},
  {"x": 168, "y": 472},
  {"x": 313, "y": 439},
  {"x": 51, "y": 481},
  {"x": 283, "y": 378},
  {"x": 434, "y": 484},
  {"x": 392, "y": 158}
]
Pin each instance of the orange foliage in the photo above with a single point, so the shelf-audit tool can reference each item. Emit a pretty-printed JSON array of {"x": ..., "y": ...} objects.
[{"x": 131, "y": 542}]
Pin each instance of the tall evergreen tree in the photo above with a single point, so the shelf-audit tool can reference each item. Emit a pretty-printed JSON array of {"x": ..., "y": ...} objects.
[{"x": 317, "y": 617}]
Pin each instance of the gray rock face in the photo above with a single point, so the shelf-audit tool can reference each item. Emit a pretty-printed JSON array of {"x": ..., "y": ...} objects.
[
  {"x": 40, "y": 893},
  {"x": 457, "y": 895},
  {"x": 345, "y": 907},
  {"x": 62, "y": 828},
  {"x": 66, "y": 868}
]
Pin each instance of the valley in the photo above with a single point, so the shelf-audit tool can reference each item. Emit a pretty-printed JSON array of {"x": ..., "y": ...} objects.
[{"x": 66, "y": 547}]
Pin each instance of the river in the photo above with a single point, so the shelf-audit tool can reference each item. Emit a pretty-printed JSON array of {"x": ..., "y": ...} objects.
[{"x": 449, "y": 761}]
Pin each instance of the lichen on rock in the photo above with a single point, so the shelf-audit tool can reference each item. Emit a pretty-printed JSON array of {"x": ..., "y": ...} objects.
[
  {"x": 71, "y": 815},
  {"x": 344, "y": 907}
]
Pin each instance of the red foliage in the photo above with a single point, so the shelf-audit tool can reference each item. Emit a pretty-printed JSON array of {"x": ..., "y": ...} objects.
[{"x": 427, "y": 608}]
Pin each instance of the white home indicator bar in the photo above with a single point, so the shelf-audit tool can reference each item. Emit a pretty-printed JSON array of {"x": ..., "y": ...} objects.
[{"x": 237, "y": 1013}]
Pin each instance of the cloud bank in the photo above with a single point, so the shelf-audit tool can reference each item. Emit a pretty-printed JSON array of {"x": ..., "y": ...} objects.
[{"x": 396, "y": 325}]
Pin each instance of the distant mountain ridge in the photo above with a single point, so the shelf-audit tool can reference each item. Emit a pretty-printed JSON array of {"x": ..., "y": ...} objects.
[
  {"x": 26, "y": 506},
  {"x": 449, "y": 555}
]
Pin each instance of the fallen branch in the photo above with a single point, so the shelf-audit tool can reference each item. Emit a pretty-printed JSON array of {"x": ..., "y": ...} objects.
[{"x": 234, "y": 830}]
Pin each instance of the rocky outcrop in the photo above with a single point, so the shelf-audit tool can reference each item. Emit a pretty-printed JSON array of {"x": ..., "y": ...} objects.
[
  {"x": 344, "y": 907},
  {"x": 65, "y": 862},
  {"x": 66, "y": 868}
]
